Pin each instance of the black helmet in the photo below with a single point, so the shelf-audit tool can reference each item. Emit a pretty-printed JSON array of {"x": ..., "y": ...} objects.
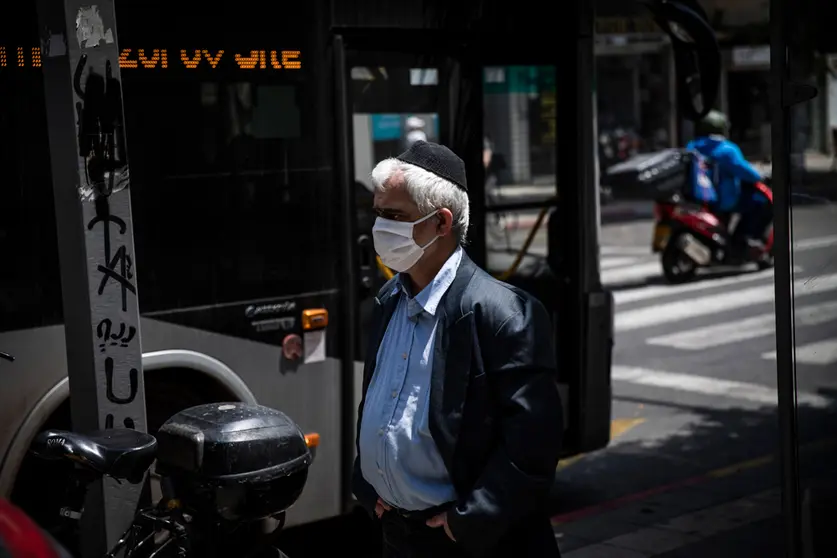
[{"x": 715, "y": 122}]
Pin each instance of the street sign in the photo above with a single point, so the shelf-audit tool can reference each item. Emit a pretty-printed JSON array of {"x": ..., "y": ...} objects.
[{"x": 90, "y": 174}]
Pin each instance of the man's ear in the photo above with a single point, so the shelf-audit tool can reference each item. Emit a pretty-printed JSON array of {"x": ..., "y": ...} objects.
[{"x": 445, "y": 222}]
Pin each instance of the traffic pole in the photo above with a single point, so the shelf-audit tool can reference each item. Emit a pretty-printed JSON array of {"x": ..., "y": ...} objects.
[{"x": 91, "y": 182}]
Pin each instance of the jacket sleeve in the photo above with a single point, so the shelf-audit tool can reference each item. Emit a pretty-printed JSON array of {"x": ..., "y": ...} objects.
[
  {"x": 518, "y": 476},
  {"x": 733, "y": 161}
]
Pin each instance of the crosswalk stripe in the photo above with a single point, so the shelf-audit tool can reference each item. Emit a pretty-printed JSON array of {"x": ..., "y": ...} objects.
[
  {"x": 742, "y": 330},
  {"x": 814, "y": 243},
  {"x": 631, "y": 274},
  {"x": 819, "y": 353},
  {"x": 645, "y": 293},
  {"x": 624, "y": 251},
  {"x": 710, "y": 386},
  {"x": 654, "y": 291},
  {"x": 612, "y": 262},
  {"x": 660, "y": 314}
]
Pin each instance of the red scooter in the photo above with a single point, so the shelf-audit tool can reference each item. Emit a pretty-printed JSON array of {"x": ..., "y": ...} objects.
[{"x": 689, "y": 237}]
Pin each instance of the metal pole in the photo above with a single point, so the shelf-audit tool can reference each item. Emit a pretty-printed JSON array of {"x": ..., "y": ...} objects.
[
  {"x": 93, "y": 211},
  {"x": 780, "y": 106}
]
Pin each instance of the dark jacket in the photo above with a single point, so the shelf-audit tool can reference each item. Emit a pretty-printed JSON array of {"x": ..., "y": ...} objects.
[{"x": 495, "y": 412}]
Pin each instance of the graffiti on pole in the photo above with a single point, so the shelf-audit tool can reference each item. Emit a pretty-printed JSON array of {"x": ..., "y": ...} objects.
[{"x": 101, "y": 144}]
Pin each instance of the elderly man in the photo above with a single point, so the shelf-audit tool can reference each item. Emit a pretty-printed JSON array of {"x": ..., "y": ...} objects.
[{"x": 460, "y": 425}]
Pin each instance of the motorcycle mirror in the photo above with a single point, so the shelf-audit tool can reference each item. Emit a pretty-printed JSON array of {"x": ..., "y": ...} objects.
[{"x": 697, "y": 55}]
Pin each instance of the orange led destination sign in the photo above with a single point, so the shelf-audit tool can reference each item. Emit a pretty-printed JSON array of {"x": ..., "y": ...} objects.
[{"x": 162, "y": 58}]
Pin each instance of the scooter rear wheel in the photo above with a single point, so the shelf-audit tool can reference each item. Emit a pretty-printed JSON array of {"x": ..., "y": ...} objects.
[
  {"x": 677, "y": 266},
  {"x": 766, "y": 262}
]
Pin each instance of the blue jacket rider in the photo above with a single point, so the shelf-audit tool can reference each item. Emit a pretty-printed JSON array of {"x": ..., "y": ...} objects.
[{"x": 730, "y": 169}]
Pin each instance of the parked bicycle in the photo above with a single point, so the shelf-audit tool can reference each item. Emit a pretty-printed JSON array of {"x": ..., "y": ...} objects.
[{"x": 226, "y": 471}]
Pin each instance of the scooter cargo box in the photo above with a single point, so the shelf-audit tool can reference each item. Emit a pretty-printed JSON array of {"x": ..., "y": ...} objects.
[
  {"x": 646, "y": 176},
  {"x": 233, "y": 461},
  {"x": 232, "y": 442}
]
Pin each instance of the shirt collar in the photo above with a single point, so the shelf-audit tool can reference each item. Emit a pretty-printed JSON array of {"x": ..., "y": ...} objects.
[{"x": 429, "y": 298}]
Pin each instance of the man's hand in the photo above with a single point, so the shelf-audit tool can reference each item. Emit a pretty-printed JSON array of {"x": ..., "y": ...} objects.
[
  {"x": 381, "y": 507},
  {"x": 441, "y": 520}
]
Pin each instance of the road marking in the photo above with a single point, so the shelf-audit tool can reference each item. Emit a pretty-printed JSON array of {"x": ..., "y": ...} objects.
[
  {"x": 612, "y": 262},
  {"x": 617, "y": 428},
  {"x": 814, "y": 243},
  {"x": 819, "y": 353},
  {"x": 643, "y": 293},
  {"x": 661, "y": 314},
  {"x": 624, "y": 251},
  {"x": 741, "y": 330},
  {"x": 621, "y": 426},
  {"x": 739, "y": 467},
  {"x": 631, "y": 274},
  {"x": 710, "y": 386}
]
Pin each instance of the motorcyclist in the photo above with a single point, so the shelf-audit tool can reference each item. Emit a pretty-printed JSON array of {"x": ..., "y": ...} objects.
[{"x": 733, "y": 177}]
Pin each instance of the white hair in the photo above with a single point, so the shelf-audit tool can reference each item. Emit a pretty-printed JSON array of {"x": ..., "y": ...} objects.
[{"x": 429, "y": 192}]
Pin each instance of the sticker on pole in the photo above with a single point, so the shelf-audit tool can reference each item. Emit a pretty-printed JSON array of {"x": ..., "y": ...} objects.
[{"x": 90, "y": 29}]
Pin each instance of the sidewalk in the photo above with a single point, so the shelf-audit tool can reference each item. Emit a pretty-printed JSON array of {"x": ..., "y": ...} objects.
[{"x": 749, "y": 526}]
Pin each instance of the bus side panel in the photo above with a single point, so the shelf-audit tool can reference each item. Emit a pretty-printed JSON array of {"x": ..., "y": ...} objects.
[{"x": 308, "y": 392}]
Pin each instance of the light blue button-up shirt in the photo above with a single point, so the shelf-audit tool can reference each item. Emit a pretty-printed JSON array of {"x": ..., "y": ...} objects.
[{"x": 398, "y": 456}]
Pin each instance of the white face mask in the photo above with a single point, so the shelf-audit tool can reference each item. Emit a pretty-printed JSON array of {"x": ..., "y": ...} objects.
[{"x": 395, "y": 245}]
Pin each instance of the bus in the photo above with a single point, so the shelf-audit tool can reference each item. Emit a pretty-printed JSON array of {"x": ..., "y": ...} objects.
[{"x": 251, "y": 134}]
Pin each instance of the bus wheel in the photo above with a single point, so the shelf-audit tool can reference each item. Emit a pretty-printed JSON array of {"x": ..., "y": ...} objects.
[{"x": 766, "y": 261}]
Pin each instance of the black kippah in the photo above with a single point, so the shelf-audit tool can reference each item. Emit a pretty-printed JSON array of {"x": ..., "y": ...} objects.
[{"x": 437, "y": 159}]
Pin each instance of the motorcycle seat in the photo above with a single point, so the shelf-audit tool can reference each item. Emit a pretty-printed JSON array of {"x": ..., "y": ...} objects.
[{"x": 121, "y": 453}]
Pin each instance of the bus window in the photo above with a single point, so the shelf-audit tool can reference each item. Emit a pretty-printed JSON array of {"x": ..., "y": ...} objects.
[
  {"x": 519, "y": 121},
  {"x": 30, "y": 284}
]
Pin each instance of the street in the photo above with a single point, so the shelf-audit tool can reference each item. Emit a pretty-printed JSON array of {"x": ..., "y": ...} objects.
[{"x": 694, "y": 385}]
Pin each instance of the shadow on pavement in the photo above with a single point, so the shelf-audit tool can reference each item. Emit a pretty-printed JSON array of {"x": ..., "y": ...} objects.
[{"x": 717, "y": 456}]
